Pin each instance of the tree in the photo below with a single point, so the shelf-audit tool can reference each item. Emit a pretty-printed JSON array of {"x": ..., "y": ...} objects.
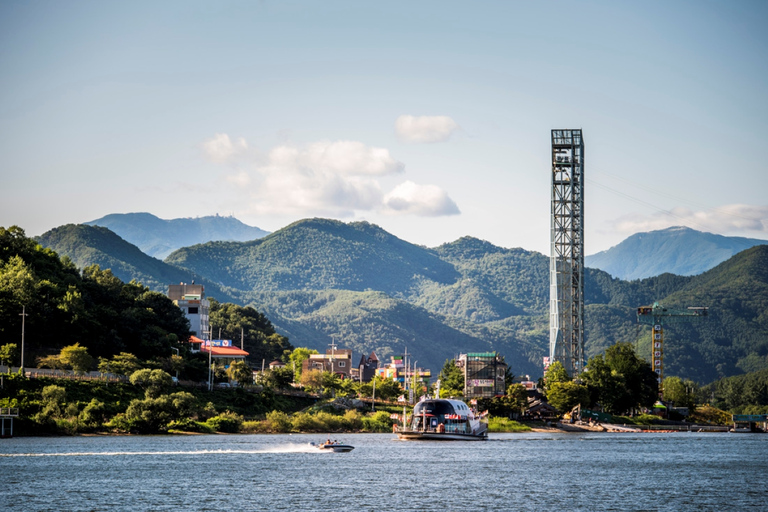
[
  {"x": 555, "y": 373},
  {"x": 258, "y": 334},
  {"x": 240, "y": 372},
  {"x": 298, "y": 356},
  {"x": 621, "y": 381},
  {"x": 154, "y": 382},
  {"x": 77, "y": 357},
  {"x": 312, "y": 379},
  {"x": 8, "y": 353},
  {"x": 681, "y": 393},
  {"x": 121, "y": 364},
  {"x": 564, "y": 396},
  {"x": 451, "y": 379},
  {"x": 517, "y": 398}
]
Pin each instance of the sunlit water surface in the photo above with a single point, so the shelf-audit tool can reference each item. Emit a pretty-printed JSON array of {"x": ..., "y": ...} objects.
[{"x": 679, "y": 471}]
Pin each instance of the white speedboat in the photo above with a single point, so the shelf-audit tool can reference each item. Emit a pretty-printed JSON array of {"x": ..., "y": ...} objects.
[
  {"x": 334, "y": 446},
  {"x": 443, "y": 420}
]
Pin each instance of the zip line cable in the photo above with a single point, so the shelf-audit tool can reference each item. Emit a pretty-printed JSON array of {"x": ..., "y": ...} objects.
[{"x": 659, "y": 192}]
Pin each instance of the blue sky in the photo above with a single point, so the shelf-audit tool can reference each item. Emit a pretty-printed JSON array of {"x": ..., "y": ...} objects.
[{"x": 430, "y": 119}]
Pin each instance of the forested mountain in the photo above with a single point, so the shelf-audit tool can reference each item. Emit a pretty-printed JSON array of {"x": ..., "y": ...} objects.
[
  {"x": 676, "y": 250},
  {"x": 159, "y": 237},
  {"x": 65, "y": 306},
  {"x": 94, "y": 245},
  {"x": 320, "y": 280}
]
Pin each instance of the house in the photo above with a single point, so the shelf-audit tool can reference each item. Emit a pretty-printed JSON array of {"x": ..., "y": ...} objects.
[
  {"x": 191, "y": 300},
  {"x": 338, "y": 361},
  {"x": 367, "y": 367}
]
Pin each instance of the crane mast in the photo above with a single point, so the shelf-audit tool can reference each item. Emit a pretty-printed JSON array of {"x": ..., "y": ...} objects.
[{"x": 657, "y": 316}]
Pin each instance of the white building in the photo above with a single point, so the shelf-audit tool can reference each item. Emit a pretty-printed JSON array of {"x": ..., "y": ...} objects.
[{"x": 191, "y": 299}]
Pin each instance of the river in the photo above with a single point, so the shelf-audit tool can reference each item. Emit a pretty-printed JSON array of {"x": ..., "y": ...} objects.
[{"x": 531, "y": 471}]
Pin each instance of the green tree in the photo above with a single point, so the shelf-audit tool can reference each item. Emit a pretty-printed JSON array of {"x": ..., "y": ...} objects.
[
  {"x": 240, "y": 372},
  {"x": 517, "y": 398},
  {"x": 621, "y": 381},
  {"x": 154, "y": 382},
  {"x": 93, "y": 414},
  {"x": 76, "y": 357},
  {"x": 53, "y": 402},
  {"x": 451, "y": 379},
  {"x": 681, "y": 393},
  {"x": 121, "y": 364},
  {"x": 244, "y": 322},
  {"x": 564, "y": 396},
  {"x": 555, "y": 373},
  {"x": 298, "y": 356},
  {"x": 8, "y": 353}
]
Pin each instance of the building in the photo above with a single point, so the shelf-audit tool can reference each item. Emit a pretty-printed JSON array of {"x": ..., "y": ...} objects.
[
  {"x": 367, "y": 367},
  {"x": 398, "y": 371},
  {"x": 191, "y": 299},
  {"x": 338, "y": 361},
  {"x": 222, "y": 350},
  {"x": 484, "y": 374}
]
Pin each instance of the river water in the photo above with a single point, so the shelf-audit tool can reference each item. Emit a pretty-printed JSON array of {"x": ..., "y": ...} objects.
[{"x": 532, "y": 471}]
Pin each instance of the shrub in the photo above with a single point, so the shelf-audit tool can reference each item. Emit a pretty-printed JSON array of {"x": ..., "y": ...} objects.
[
  {"x": 227, "y": 421},
  {"x": 278, "y": 421},
  {"x": 352, "y": 420},
  {"x": 305, "y": 422},
  {"x": 190, "y": 425},
  {"x": 496, "y": 424},
  {"x": 378, "y": 422}
]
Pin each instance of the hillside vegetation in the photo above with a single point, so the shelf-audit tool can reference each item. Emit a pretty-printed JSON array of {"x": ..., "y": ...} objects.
[{"x": 321, "y": 280}]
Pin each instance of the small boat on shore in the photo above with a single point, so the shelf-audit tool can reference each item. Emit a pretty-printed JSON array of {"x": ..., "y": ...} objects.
[
  {"x": 334, "y": 446},
  {"x": 443, "y": 420}
]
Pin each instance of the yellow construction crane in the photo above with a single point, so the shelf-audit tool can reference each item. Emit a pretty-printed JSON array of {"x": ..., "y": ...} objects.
[{"x": 657, "y": 316}]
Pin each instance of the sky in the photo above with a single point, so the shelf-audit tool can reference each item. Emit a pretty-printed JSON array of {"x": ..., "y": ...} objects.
[{"x": 431, "y": 119}]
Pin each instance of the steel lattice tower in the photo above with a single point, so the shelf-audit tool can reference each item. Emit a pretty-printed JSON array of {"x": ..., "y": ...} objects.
[{"x": 566, "y": 269}]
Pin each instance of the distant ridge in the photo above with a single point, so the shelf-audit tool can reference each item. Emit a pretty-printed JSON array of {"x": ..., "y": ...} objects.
[
  {"x": 676, "y": 250},
  {"x": 159, "y": 238}
]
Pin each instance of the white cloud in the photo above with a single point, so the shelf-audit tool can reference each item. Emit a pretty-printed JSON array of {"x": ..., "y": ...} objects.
[
  {"x": 726, "y": 220},
  {"x": 220, "y": 147},
  {"x": 350, "y": 157},
  {"x": 425, "y": 129},
  {"x": 335, "y": 179},
  {"x": 422, "y": 200}
]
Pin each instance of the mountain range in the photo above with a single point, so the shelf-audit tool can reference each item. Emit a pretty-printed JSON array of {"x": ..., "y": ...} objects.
[
  {"x": 321, "y": 280},
  {"x": 676, "y": 250},
  {"x": 158, "y": 237}
]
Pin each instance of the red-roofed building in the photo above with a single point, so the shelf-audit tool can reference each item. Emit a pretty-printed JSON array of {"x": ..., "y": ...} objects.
[{"x": 221, "y": 349}]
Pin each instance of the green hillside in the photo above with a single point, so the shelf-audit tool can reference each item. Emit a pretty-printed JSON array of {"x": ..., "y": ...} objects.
[
  {"x": 319, "y": 280},
  {"x": 318, "y": 254},
  {"x": 93, "y": 245}
]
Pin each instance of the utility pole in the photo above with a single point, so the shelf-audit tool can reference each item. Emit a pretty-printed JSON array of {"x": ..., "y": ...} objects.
[
  {"x": 210, "y": 351},
  {"x": 24, "y": 316},
  {"x": 657, "y": 316},
  {"x": 333, "y": 350}
]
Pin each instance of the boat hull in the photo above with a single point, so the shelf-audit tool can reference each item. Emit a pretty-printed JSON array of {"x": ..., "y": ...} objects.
[
  {"x": 338, "y": 448},
  {"x": 410, "y": 435}
]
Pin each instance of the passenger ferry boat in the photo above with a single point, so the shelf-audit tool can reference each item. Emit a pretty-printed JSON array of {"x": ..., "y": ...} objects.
[{"x": 446, "y": 420}]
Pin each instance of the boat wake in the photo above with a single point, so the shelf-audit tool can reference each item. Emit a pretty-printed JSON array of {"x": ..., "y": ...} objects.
[{"x": 290, "y": 448}]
